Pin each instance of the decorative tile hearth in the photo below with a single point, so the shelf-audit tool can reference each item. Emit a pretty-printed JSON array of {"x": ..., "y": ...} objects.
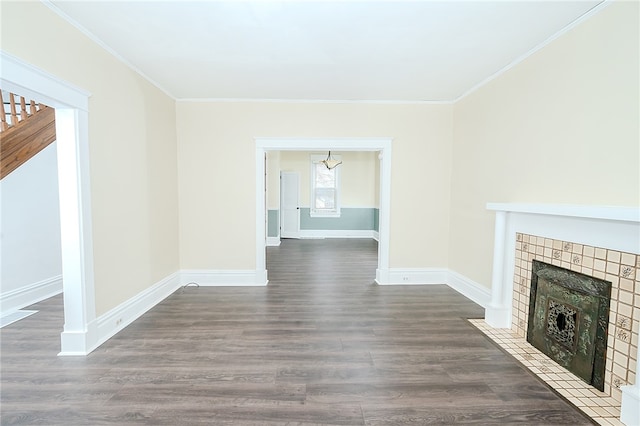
[{"x": 602, "y": 408}]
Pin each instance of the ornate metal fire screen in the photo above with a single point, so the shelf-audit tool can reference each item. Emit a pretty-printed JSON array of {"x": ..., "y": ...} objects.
[{"x": 568, "y": 320}]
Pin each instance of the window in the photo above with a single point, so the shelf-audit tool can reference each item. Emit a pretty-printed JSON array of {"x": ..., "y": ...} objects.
[{"x": 325, "y": 188}]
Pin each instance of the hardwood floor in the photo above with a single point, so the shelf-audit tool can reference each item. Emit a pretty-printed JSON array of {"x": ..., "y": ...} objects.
[{"x": 321, "y": 344}]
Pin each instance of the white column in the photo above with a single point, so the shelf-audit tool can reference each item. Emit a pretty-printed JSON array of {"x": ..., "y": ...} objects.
[
  {"x": 261, "y": 219},
  {"x": 79, "y": 335},
  {"x": 497, "y": 313},
  {"x": 384, "y": 222}
]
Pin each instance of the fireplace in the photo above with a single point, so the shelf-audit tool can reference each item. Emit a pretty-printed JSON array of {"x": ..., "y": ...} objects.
[
  {"x": 569, "y": 318},
  {"x": 569, "y": 259},
  {"x": 598, "y": 241}
]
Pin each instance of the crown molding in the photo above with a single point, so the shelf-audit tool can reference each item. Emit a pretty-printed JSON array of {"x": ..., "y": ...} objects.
[
  {"x": 588, "y": 14},
  {"x": 313, "y": 101},
  {"x": 104, "y": 46}
]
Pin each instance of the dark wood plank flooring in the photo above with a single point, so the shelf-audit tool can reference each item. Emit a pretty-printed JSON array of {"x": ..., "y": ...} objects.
[{"x": 321, "y": 344}]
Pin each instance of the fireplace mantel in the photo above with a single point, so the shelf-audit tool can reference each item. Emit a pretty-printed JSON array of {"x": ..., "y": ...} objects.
[
  {"x": 602, "y": 226},
  {"x": 624, "y": 214},
  {"x": 611, "y": 227}
]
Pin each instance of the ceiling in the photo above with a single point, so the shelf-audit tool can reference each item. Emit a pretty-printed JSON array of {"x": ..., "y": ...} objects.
[{"x": 321, "y": 50}]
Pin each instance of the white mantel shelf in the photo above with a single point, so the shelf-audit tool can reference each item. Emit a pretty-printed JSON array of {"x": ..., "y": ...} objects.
[
  {"x": 624, "y": 214},
  {"x": 616, "y": 228}
]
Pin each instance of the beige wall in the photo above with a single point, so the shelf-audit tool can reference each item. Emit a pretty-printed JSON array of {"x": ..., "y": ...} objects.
[
  {"x": 560, "y": 127},
  {"x": 357, "y": 176},
  {"x": 216, "y": 166},
  {"x": 132, "y": 142}
]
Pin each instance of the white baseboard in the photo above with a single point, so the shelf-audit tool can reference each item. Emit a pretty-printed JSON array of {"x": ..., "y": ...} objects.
[
  {"x": 412, "y": 276},
  {"x": 206, "y": 277},
  {"x": 328, "y": 233},
  {"x": 376, "y": 235},
  {"x": 469, "y": 288},
  {"x": 28, "y": 295},
  {"x": 110, "y": 323},
  {"x": 421, "y": 276},
  {"x": 80, "y": 343},
  {"x": 273, "y": 241}
]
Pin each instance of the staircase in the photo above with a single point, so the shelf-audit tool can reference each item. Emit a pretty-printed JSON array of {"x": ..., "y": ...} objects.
[{"x": 26, "y": 129}]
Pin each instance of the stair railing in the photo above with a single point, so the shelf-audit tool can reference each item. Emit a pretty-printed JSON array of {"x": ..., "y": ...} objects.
[
  {"x": 26, "y": 128},
  {"x": 10, "y": 116}
]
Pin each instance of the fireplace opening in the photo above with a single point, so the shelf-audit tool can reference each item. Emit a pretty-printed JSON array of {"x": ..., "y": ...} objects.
[{"x": 569, "y": 318}]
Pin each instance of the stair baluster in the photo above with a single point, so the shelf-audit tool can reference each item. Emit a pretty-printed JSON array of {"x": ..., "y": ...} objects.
[
  {"x": 23, "y": 133},
  {"x": 3, "y": 125},
  {"x": 23, "y": 108},
  {"x": 14, "y": 114}
]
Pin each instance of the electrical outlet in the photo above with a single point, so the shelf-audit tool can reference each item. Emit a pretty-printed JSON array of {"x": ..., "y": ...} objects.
[
  {"x": 119, "y": 321},
  {"x": 405, "y": 278}
]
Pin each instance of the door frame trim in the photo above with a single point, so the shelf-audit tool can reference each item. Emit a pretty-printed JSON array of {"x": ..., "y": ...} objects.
[
  {"x": 383, "y": 145},
  {"x": 71, "y": 103}
]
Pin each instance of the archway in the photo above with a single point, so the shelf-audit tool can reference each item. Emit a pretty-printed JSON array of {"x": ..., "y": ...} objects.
[
  {"x": 72, "y": 121},
  {"x": 383, "y": 145}
]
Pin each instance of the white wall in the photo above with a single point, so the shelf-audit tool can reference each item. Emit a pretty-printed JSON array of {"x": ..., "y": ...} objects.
[
  {"x": 30, "y": 231},
  {"x": 560, "y": 127}
]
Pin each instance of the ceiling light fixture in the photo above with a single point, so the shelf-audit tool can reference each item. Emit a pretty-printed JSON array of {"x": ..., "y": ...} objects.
[{"x": 330, "y": 162}]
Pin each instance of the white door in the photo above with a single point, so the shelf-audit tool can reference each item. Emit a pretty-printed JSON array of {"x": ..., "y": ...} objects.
[{"x": 289, "y": 210}]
